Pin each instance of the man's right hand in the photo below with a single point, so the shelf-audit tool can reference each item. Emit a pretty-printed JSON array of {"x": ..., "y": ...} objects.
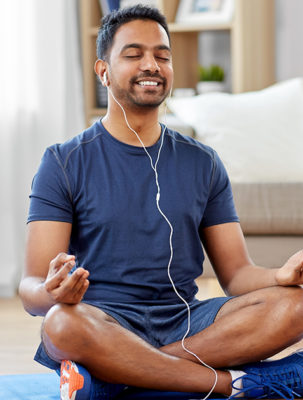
[{"x": 63, "y": 286}]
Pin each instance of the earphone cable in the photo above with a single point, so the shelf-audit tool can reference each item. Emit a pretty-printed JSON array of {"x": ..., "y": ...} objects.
[{"x": 154, "y": 167}]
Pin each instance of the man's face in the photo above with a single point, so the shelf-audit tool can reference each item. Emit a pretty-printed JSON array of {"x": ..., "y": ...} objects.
[{"x": 140, "y": 64}]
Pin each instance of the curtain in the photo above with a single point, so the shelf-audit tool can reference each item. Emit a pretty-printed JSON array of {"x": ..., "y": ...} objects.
[{"x": 41, "y": 103}]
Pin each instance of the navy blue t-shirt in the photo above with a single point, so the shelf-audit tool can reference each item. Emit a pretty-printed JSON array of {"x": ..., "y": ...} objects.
[{"x": 106, "y": 189}]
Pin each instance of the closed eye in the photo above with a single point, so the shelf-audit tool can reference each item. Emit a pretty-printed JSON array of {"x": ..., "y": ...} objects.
[
  {"x": 163, "y": 58},
  {"x": 135, "y": 56}
]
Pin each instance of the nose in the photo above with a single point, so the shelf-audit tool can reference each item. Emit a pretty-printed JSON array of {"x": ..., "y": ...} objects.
[{"x": 149, "y": 63}]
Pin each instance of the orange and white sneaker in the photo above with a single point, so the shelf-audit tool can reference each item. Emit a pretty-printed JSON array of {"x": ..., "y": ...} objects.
[{"x": 75, "y": 381}]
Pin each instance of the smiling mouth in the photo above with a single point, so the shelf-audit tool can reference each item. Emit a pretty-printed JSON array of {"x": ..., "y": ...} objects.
[{"x": 148, "y": 83}]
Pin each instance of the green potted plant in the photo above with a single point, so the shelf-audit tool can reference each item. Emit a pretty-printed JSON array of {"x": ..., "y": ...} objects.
[{"x": 211, "y": 79}]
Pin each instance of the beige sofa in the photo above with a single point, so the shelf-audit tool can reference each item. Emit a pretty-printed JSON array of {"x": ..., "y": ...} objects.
[
  {"x": 271, "y": 216},
  {"x": 259, "y": 137}
]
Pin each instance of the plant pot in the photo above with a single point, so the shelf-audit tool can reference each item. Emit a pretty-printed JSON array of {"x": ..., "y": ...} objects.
[{"x": 210, "y": 86}]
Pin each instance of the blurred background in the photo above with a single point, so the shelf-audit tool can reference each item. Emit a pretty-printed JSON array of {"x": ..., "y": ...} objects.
[{"x": 42, "y": 86}]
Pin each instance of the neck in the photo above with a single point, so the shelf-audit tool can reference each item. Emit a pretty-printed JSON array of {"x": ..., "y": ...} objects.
[{"x": 145, "y": 123}]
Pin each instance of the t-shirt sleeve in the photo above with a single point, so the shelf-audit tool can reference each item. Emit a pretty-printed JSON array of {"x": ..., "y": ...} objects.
[
  {"x": 220, "y": 206},
  {"x": 51, "y": 197}
]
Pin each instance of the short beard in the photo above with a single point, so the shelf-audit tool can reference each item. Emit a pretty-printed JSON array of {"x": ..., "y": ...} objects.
[
  {"x": 131, "y": 99},
  {"x": 147, "y": 104}
]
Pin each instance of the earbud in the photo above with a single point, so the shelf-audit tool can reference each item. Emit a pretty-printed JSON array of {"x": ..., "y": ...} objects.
[{"x": 105, "y": 79}]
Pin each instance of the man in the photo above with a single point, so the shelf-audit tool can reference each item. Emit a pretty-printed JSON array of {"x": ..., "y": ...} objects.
[{"x": 130, "y": 201}]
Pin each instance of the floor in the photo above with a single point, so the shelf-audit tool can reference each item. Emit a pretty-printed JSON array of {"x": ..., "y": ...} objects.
[
  {"x": 20, "y": 333},
  {"x": 19, "y": 336}
]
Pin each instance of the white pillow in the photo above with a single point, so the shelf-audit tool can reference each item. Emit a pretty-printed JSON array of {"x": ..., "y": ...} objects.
[{"x": 258, "y": 135}]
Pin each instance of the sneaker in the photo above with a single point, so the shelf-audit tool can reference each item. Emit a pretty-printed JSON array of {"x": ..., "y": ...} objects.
[
  {"x": 75, "y": 381},
  {"x": 272, "y": 379},
  {"x": 294, "y": 358}
]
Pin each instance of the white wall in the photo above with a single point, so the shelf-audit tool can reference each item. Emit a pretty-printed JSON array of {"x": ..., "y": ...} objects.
[
  {"x": 41, "y": 104},
  {"x": 214, "y": 47},
  {"x": 289, "y": 34}
]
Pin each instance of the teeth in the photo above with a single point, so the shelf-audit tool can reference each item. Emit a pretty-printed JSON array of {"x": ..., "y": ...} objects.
[{"x": 148, "y": 83}]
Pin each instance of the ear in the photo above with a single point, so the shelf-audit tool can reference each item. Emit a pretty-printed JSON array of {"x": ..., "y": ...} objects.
[{"x": 100, "y": 69}]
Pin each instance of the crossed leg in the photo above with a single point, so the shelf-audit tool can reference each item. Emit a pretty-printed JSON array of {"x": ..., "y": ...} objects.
[{"x": 247, "y": 328}]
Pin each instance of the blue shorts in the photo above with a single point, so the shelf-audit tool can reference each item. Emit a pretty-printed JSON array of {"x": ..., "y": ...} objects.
[{"x": 158, "y": 325}]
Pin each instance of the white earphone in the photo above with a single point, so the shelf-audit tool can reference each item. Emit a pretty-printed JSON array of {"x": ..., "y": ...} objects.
[
  {"x": 154, "y": 168},
  {"x": 104, "y": 80}
]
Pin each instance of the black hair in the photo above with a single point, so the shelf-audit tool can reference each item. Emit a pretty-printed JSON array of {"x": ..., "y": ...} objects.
[{"x": 111, "y": 22}]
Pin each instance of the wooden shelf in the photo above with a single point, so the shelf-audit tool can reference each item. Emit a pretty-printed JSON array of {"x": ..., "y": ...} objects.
[
  {"x": 97, "y": 111},
  {"x": 94, "y": 31},
  {"x": 252, "y": 47},
  {"x": 187, "y": 27}
]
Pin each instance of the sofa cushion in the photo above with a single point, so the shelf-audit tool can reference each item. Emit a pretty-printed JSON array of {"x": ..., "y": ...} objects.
[
  {"x": 270, "y": 208},
  {"x": 258, "y": 135}
]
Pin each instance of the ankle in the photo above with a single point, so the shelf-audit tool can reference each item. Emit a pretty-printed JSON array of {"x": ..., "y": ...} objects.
[{"x": 224, "y": 383}]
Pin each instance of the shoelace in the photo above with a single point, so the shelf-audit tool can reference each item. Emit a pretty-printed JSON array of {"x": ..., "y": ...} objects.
[{"x": 270, "y": 383}]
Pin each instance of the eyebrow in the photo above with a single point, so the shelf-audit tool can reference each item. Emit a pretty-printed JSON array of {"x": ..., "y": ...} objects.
[{"x": 140, "y": 46}]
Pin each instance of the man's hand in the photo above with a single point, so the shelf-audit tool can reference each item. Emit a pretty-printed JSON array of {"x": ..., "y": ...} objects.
[
  {"x": 292, "y": 271},
  {"x": 62, "y": 286}
]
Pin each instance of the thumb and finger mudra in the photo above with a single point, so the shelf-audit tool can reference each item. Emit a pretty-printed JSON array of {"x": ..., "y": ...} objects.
[{"x": 64, "y": 286}]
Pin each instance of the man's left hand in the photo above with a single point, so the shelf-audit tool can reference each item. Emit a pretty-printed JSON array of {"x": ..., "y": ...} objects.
[{"x": 292, "y": 271}]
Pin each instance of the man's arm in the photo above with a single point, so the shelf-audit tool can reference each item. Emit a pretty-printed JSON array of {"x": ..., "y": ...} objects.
[
  {"x": 46, "y": 279},
  {"x": 237, "y": 274}
]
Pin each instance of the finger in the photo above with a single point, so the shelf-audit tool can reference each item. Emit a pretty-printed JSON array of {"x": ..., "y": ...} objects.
[
  {"x": 81, "y": 291},
  {"x": 56, "y": 280},
  {"x": 82, "y": 274},
  {"x": 72, "y": 289},
  {"x": 74, "y": 280},
  {"x": 60, "y": 260}
]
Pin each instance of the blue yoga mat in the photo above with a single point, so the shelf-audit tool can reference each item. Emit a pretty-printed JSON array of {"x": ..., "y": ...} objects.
[
  {"x": 46, "y": 387},
  {"x": 29, "y": 387}
]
